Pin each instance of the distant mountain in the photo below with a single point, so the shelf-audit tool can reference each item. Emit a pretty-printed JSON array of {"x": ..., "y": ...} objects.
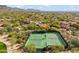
[
  {"x": 32, "y": 10},
  {"x": 7, "y": 8},
  {"x": 3, "y": 6}
]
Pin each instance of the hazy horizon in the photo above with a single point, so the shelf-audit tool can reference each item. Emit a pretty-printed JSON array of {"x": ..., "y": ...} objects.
[{"x": 48, "y": 7}]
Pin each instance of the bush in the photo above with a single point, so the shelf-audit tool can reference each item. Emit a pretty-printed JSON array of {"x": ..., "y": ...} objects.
[
  {"x": 56, "y": 49},
  {"x": 1, "y": 31},
  {"x": 13, "y": 37},
  {"x": 75, "y": 42},
  {"x": 30, "y": 48},
  {"x": 8, "y": 29},
  {"x": 3, "y": 48},
  {"x": 54, "y": 28},
  {"x": 75, "y": 26},
  {"x": 75, "y": 50}
]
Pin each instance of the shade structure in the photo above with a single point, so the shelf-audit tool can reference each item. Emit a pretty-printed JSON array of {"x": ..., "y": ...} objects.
[
  {"x": 3, "y": 48},
  {"x": 42, "y": 39}
]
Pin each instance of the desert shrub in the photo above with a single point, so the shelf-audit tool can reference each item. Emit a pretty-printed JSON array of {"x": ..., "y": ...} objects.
[
  {"x": 8, "y": 29},
  {"x": 31, "y": 26},
  {"x": 56, "y": 49},
  {"x": 54, "y": 28},
  {"x": 57, "y": 26},
  {"x": 74, "y": 42},
  {"x": 1, "y": 31},
  {"x": 22, "y": 36},
  {"x": 74, "y": 32},
  {"x": 3, "y": 48},
  {"x": 13, "y": 37},
  {"x": 75, "y": 26},
  {"x": 17, "y": 37},
  {"x": 74, "y": 50},
  {"x": 30, "y": 48}
]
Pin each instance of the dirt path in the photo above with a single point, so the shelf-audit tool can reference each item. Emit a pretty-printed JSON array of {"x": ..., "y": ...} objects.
[{"x": 10, "y": 48}]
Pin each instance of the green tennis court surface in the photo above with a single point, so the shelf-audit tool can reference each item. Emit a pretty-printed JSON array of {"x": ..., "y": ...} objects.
[{"x": 42, "y": 40}]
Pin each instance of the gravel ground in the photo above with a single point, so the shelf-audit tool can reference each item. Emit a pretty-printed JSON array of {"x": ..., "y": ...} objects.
[{"x": 10, "y": 48}]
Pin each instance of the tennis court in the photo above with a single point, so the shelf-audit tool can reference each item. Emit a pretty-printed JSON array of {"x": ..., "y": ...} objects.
[{"x": 43, "y": 39}]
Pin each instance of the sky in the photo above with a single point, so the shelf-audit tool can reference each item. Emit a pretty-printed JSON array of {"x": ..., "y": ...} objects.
[{"x": 48, "y": 7}]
